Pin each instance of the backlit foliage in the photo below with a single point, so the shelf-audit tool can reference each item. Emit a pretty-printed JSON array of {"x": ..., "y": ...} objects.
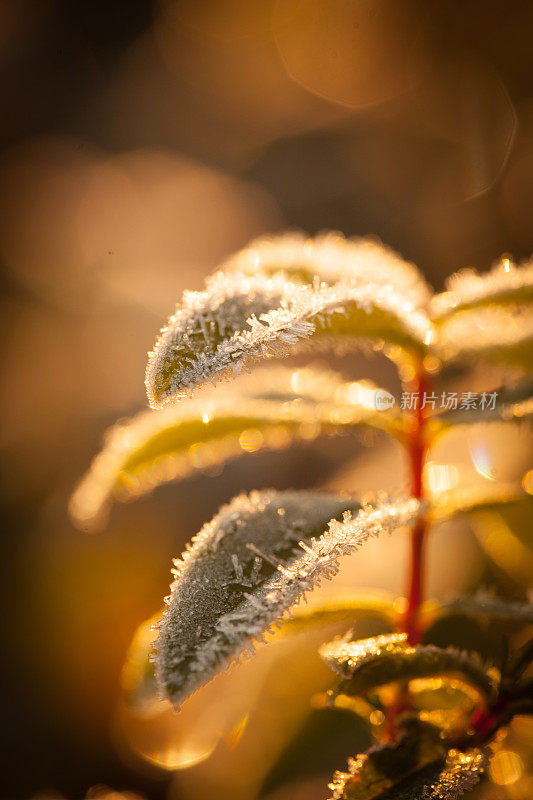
[{"x": 434, "y": 711}]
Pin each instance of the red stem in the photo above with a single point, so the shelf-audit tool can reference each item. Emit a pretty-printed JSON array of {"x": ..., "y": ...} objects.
[
  {"x": 410, "y": 623},
  {"x": 417, "y": 451}
]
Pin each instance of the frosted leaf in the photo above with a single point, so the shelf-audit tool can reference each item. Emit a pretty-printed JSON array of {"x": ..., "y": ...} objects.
[
  {"x": 331, "y": 257},
  {"x": 460, "y": 773},
  {"x": 489, "y": 310},
  {"x": 445, "y": 779},
  {"x": 367, "y": 663},
  {"x": 511, "y": 404},
  {"x": 465, "y": 499},
  {"x": 246, "y": 567},
  {"x": 266, "y": 410},
  {"x": 504, "y": 283},
  {"x": 490, "y": 333},
  {"x": 326, "y": 611},
  {"x": 240, "y": 318},
  {"x": 416, "y": 767}
]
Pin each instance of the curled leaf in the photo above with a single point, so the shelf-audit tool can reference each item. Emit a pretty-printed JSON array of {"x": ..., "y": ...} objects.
[
  {"x": 504, "y": 284},
  {"x": 368, "y": 663},
  {"x": 241, "y": 318},
  {"x": 331, "y": 257},
  {"x": 416, "y": 767},
  {"x": 445, "y": 702},
  {"x": 245, "y": 568},
  {"x": 269, "y": 409}
]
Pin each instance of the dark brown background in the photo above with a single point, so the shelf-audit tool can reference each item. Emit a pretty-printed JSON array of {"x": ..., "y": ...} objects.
[{"x": 142, "y": 142}]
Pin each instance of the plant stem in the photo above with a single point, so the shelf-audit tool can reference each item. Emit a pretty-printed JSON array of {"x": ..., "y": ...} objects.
[
  {"x": 417, "y": 451},
  {"x": 410, "y": 623}
]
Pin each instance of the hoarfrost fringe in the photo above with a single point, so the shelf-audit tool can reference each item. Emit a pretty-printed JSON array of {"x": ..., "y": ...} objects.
[
  {"x": 241, "y": 318},
  {"x": 198, "y": 638}
]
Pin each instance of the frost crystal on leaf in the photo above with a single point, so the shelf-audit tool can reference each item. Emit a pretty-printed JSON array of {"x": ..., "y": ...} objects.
[
  {"x": 462, "y": 771},
  {"x": 242, "y": 318},
  {"x": 504, "y": 283},
  {"x": 416, "y": 767},
  {"x": 330, "y": 258},
  {"x": 344, "y": 655},
  {"x": 493, "y": 333},
  {"x": 284, "y": 544},
  {"x": 367, "y": 663}
]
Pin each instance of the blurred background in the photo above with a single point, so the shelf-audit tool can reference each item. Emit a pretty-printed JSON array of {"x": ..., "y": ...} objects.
[{"x": 142, "y": 142}]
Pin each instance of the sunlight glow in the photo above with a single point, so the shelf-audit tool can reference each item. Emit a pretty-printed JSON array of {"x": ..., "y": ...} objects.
[
  {"x": 441, "y": 477},
  {"x": 506, "y": 767},
  {"x": 481, "y": 459}
]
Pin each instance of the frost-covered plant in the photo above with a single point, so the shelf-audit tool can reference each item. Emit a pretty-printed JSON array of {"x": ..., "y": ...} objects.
[{"x": 262, "y": 553}]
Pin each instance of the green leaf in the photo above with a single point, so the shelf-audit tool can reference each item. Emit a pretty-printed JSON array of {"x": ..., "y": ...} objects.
[
  {"x": 484, "y": 606},
  {"x": 347, "y": 605},
  {"x": 478, "y": 498},
  {"x": 489, "y": 333},
  {"x": 486, "y": 316},
  {"x": 504, "y": 532},
  {"x": 251, "y": 563},
  {"x": 365, "y": 664},
  {"x": 514, "y": 404},
  {"x": 446, "y": 702},
  {"x": 331, "y": 257},
  {"x": 240, "y": 318},
  {"x": 266, "y": 410},
  {"x": 416, "y": 767},
  {"x": 506, "y": 283},
  {"x": 325, "y": 612},
  {"x": 138, "y": 678},
  {"x": 259, "y": 703}
]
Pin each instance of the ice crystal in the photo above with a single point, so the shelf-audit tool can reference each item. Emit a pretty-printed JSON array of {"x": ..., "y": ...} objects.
[
  {"x": 367, "y": 663},
  {"x": 417, "y": 766},
  {"x": 443, "y": 780},
  {"x": 504, "y": 283},
  {"x": 331, "y": 257},
  {"x": 240, "y": 318},
  {"x": 343, "y": 655},
  {"x": 284, "y": 544},
  {"x": 461, "y": 772}
]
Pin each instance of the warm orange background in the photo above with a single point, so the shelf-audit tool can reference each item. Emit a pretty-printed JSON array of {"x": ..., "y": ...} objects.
[{"x": 142, "y": 143}]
